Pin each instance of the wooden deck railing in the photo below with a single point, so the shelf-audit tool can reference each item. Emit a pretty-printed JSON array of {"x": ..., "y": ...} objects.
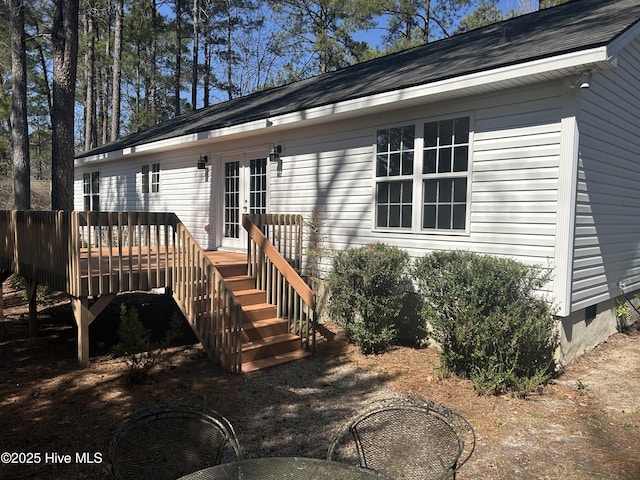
[
  {"x": 274, "y": 273},
  {"x": 98, "y": 254},
  {"x": 36, "y": 245},
  {"x": 213, "y": 311},
  {"x": 284, "y": 231},
  {"x": 121, "y": 251}
]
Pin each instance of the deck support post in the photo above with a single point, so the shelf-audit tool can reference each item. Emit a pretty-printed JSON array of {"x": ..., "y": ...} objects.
[
  {"x": 32, "y": 288},
  {"x": 84, "y": 315}
]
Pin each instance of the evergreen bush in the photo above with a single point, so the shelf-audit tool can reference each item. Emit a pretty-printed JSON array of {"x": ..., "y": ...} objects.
[
  {"x": 135, "y": 345},
  {"x": 367, "y": 288},
  {"x": 488, "y": 316}
]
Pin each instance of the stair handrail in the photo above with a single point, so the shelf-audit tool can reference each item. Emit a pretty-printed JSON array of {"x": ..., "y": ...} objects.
[
  {"x": 293, "y": 298},
  {"x": 284, "y": 231},
  {"x": 206, "y": 301}
]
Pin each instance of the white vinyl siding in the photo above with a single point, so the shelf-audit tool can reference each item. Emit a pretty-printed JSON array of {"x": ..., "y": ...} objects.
[
  {"x": 608, "y": 203},
  {"x": 185, "y": 190},
  {"x": 512, "y": 196},
  {"x": 513, "y": 178}
]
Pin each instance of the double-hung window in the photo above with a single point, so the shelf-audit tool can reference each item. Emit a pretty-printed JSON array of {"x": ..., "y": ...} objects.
[
  {"x": 91, "y": 191},
  {"x": 422, "y": 177},
  {"x": 394, "y": 177},
  {"x": 151, "y": 178},
  {"x": 445, "y": 162}
]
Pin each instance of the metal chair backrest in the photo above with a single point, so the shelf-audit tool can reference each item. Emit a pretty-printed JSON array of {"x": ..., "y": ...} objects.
[
  {"x": 405, "y": 439},
  {"x": 168, "y": 442}
]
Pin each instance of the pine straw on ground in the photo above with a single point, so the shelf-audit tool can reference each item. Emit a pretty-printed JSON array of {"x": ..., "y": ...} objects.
[{"x": 584, "y": 425}]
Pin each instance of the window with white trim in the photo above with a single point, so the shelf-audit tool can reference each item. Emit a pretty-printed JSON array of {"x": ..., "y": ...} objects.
[
  {"x": 91, "y": 191},
  {"x": 151, "y": 178},
  {"x": 394, "y": 177},
  {"x": 445, "y": 163},
  {"x": 435, "y": 163}
]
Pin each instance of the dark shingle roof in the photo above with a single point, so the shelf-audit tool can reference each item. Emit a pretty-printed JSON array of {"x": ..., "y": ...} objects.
[{"x": 574, "y": 26}]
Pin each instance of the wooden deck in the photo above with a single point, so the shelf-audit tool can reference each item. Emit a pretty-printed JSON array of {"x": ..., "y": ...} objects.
[
  {"x": 93, "y": 256},
  {"x": 125, "y": 269},
  {"x": 219, "y": 257}
]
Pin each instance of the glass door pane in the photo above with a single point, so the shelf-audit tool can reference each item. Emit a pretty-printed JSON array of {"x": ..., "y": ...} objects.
[
  {"x": 232, "y": 199},
  {"x": 258, "y": 185}
]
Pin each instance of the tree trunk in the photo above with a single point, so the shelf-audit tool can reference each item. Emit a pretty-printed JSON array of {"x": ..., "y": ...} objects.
[
  {"x": 20, "y": 130},
  {"x": 105, "y": 78},
  {"x": 44, "y": 69},
  {"x": 90, "y": 119},
  {"x": 206, "y": 79},
  {"x": 196, "y": 47},
  {"x": 117, "y": 72},
  {"x": 154, "y": 61},
  {"x": 427, "y": 22},
  {"x": 64, "y": 37},
  {"x": 177, "y": 86},
  {"x": 229, "y": 51}
]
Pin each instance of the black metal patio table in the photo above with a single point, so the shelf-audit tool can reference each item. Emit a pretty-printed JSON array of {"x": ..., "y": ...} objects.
[{"x": 283, "y": 468}]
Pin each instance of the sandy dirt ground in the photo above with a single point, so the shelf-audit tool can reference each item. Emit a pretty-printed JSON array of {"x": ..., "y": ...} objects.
[{"x": 584, "y": 425}]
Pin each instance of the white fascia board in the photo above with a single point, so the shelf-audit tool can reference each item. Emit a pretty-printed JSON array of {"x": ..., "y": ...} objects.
[
  {"x": 575, "y": 61},
  {"x": 171, "y": 143},
  {"x": 80, "y": 161}
]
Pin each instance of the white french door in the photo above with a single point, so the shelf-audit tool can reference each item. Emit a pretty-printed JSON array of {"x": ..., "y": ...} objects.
[{"x": 244, "y": 190}]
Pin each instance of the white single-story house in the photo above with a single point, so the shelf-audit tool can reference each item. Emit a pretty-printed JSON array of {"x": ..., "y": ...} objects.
[{"x": 518, "y": 139}]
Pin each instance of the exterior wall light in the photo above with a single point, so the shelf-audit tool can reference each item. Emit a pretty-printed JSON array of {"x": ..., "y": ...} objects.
[
  {"x": 274, "y": 154},
  {"x": 585, "y": 81},
  {"x": 579, "y": 81},
  {"x": 202, "y": 162}
]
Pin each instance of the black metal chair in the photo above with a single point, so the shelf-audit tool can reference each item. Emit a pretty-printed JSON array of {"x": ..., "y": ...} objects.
[
  {"x": 168, "y": 442},
  {"x": 405, "y": 439}
]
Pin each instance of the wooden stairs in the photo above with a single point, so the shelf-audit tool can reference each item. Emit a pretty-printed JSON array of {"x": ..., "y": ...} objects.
[{"x": 266, "y": 339}]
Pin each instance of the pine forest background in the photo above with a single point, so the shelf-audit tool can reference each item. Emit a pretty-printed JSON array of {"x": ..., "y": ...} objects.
[{"x": 140, "y": 62}]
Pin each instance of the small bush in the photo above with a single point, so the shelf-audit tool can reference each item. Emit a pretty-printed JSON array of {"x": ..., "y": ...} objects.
[
  {"x": 315, "y": 241},
  {"x": 492, "y": 325},
  {"x": 141, "y": 354},
  {"x": 367, "y": 288},
  {"x": 623, "y": 314}
]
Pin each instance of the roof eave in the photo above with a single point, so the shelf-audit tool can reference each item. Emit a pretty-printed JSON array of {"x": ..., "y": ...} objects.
[{"x": 543, "y": 69}]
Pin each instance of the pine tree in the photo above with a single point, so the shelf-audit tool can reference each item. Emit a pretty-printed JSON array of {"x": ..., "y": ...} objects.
[
  {"x": 64, "y": 37},
  {"x": 20, "y": 127}
]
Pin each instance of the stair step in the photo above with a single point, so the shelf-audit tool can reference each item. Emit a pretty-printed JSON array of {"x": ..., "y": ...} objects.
[
  {"x": 274, "y": 360},
  {"x": 263, "y": 328},
  {"x": 266, "y": 338},
  {"x": 270, "y": 346},
  {"x": 250, "y": 296},
  {"x": 232, "y": 269},
  {"x": 259, "y": 311},
  {"x": 240, "y": 282}
]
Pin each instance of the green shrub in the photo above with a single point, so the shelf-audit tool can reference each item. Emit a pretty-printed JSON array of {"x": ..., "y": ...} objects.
[
  {"x": 367, "y": 288},
  {"x": 491, "y": 324},
  {"x": 140, "y": 352}
]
